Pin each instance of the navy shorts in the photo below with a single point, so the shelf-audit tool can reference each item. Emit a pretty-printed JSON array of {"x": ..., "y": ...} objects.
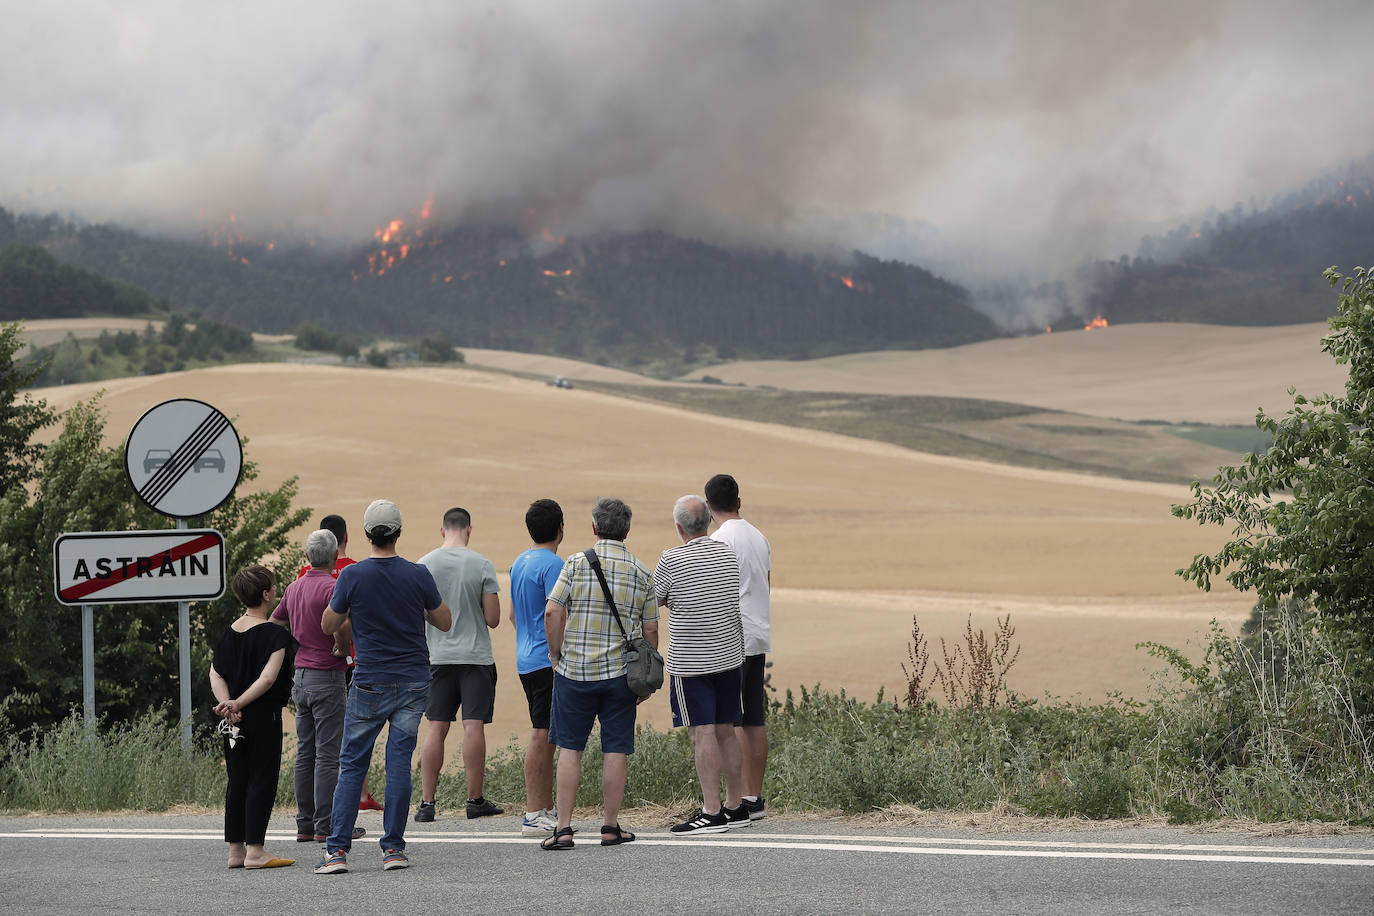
[
  {"x": 539, "y": 695},
  {"x": 577, "y": 704},
  {"x": 705, "y": 699},
  {"x": 752, "y": 692},
  {"x": 473, "y": 687}
]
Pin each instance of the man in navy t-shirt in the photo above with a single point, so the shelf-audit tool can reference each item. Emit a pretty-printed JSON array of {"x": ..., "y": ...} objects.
[
  {"x": 532, "y": 577},
  {"x": 384, "y": 601}
]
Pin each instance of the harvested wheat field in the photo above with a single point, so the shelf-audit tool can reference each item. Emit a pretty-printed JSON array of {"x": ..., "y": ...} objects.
[
  {"x": 864, "y": 534},
  {"x": 1178, "y": 372}
]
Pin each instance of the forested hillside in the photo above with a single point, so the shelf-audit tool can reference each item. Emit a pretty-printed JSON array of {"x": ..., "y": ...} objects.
[
  {"x": 1248, "y": 267},
  {"x": 622, "y": 299}
]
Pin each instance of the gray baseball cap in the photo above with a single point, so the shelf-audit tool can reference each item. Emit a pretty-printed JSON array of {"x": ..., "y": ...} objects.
[{"x": 382, "y": 517}]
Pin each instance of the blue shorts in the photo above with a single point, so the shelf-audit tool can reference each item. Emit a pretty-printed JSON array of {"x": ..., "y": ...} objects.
[
  {"x": 705, "y": 699},
  {"x": 576, "y": 704}
]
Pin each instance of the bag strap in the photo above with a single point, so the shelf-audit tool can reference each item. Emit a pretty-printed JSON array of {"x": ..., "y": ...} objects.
[{"x": 592, "y": 558}]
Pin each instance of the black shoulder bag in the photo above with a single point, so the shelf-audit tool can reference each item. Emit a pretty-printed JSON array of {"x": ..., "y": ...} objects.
[{"x": 643, "y": 663}]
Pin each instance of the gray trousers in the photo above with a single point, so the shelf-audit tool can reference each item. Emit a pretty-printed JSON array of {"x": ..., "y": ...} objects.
[{"x": 320, "y": 698}]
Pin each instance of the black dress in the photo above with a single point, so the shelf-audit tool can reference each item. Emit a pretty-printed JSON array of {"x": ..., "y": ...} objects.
[{"x": 254, "y": 762}]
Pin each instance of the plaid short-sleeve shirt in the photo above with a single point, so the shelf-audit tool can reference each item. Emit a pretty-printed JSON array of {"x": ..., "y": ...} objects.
[{"x": 593, "y": 649}]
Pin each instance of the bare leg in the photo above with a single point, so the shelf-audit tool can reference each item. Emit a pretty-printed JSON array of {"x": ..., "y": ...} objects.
[
  {"x": 613, "y": 770},
  {"x": 237, "y": 853},
  {"x": 707, "y": 754},
  {"x": 539, "y": 771},
  {"x": 569, "y": 775},
  {"x": 729, "y": 762},
  {"x": 753, "y": 741},
  {"x": 432, "y": 759},
  {"x": 474, "y": 754}
]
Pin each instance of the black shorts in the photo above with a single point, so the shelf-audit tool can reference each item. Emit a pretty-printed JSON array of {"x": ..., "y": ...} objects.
[
  {"x": 752, "y": 694},
  {"x": 471, "y": 686},
  {"x": 539, "y": 693}
]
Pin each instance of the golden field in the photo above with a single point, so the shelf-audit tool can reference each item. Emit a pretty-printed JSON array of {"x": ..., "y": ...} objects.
[
  {"x": 864, "y": 534},
  {"x": 1166, "y": 371}
]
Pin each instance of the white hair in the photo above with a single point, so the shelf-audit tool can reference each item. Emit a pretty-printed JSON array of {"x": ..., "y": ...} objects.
[
  {"x": 321, "y": 548},
  {"x": 691, "y": 513}
]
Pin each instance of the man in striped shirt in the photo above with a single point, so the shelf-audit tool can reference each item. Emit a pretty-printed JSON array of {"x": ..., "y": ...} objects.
[{"x": 699, "y": 584}]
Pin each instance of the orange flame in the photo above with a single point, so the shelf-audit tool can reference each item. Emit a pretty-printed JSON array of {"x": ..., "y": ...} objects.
[
  {"x": 1098, "y": 322},
  {"x": 1048, "y": 329},
  {"x": 848, "y": 281},
  {"x": 555, "y": 273}
]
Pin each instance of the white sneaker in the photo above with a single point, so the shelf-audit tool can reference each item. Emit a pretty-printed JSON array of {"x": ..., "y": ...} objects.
[{"x": 538, "y": 825}]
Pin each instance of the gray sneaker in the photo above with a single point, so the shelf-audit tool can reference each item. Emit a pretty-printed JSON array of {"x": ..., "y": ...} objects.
[{"x": 425, "y": 813}]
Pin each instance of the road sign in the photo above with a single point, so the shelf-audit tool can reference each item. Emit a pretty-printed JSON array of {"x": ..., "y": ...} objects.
[
  {"x": 124, "y": 567},
  {"x": 183, "y": 458}
]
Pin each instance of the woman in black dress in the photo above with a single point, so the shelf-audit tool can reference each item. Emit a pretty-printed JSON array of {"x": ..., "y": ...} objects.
[{"x": 251, "y": 678}]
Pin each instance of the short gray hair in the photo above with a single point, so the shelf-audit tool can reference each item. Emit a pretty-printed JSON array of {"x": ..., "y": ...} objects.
[
  {"x": 321, "y": 548},
  {"x": 611, "y": 518},
  {"x": 692, "y": 514}
]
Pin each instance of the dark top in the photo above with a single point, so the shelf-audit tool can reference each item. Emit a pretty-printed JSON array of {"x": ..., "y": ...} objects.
[
  {"x": 387, "y": 598},
  {"x": 240, "y": 657}
]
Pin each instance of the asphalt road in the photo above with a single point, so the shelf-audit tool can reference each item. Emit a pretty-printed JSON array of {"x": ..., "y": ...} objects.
[{"x": 176, "y": 864}]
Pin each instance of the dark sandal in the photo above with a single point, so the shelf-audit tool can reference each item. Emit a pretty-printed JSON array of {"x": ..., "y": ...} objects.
[
  {"x": 614, "y": 836},
  {"x": 561, "y": 839}
]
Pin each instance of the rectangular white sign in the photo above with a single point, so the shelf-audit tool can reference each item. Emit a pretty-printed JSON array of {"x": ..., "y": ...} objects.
[{"x": 125, "y": 567}]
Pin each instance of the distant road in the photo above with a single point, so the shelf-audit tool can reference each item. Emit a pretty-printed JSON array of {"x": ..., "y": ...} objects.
[{"x": 175, "y": 864}]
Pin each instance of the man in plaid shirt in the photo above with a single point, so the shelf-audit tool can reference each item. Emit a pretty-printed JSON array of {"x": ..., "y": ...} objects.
[{"x": 588, "y": 653}]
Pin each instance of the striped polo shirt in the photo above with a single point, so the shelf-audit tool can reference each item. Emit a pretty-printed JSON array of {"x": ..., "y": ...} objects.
[{"x": 699, "y": 582}]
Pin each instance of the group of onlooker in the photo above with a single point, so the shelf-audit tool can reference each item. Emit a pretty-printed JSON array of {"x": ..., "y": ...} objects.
[{"x": 419, "y": 636}]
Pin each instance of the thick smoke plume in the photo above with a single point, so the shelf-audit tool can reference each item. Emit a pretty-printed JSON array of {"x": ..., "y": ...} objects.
[{"x": 1045, "y": 131}]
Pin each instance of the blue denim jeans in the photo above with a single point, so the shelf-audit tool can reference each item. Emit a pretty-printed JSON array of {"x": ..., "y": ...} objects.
[{"x": 370, "y": 706}]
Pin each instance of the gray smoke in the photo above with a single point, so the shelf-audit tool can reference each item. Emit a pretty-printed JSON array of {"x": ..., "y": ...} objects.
[{"x": 1033, "y": 134}]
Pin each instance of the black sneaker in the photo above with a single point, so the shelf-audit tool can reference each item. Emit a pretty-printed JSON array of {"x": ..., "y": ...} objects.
[
  {"x": 702, "y": 822},
  {"x": 425, "y": 813},
  {"x": 755, "y": 808},
  {"x": 737, "y": 817},
  {"x": 480, "y": 807}
]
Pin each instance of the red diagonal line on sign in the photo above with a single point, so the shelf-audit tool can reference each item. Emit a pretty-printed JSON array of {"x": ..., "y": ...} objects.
[{"x": 91, "y": 586}]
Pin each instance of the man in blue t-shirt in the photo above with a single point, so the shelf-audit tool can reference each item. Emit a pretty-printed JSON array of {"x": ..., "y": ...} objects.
[
  {"x": 532, "y": 577},
  {"x": 382, "y": 603}
]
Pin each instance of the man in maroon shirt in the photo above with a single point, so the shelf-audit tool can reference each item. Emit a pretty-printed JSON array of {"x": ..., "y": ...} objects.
[{"x": 320, "y": 688}]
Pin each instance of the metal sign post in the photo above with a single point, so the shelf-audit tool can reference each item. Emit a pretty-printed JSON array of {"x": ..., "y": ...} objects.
[
  {"x": 184, "y": 651},
  {"x": 184, "y": 459},
  {"x": 88, "y": 665}
]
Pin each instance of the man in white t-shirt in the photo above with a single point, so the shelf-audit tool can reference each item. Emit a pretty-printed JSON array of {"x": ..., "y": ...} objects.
[{"x": 755, "y": 580}]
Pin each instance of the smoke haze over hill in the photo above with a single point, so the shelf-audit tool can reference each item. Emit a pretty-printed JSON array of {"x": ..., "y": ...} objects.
[{"x": 1055, "y": 130}]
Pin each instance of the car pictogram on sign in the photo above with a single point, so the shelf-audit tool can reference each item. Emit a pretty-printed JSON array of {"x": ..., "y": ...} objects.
[
  {"x": 213, "y": 458},
  {"x": 156, "y": 458}
]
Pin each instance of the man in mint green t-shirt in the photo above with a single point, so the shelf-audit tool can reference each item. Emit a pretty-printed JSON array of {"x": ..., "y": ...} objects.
[{"x": 462, "y": 668}]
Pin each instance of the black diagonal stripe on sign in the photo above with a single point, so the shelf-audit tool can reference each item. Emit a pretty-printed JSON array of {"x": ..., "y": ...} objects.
[
  {"x": 183, "y": 459},
  {"x": 186, "y": 456},
  {"x": 175, "y": 467}
]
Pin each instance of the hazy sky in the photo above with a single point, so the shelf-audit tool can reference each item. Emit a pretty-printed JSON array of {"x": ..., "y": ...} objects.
[{"x": 1037, "y": 125}]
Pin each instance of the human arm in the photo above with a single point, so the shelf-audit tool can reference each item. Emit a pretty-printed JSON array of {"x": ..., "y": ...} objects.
[
  {"x": 343, "y": 638},
  {"x": 441, "y": 618},
  {"x": 651, "y": 632},
  {"x": 555, "y": 621},
  {"x": 491, "y": 609},
  {"x": 256, "y": 689}
]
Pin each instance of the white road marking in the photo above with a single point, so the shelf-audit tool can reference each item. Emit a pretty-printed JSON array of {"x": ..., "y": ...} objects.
[{"x": 1282, "y": 855}]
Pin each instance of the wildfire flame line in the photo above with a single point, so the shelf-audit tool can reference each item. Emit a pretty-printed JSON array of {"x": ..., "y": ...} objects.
[{"x": 1098, "y": 322}]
